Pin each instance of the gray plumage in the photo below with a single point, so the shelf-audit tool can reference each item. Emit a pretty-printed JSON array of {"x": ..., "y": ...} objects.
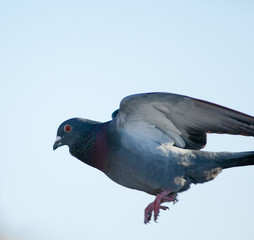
[{"x": 153, "y": 143}]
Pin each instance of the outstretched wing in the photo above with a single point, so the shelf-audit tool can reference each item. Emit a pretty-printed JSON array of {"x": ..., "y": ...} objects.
[{"x": 171, "y": 119}]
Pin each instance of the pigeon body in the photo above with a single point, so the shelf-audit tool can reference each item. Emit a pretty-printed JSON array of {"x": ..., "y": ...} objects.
[{"x": 153, "y": 144}]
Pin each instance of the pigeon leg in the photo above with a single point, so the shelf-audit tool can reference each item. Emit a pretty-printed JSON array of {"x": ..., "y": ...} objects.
[
  {"x": 165, "y": 196},
  {"x": 148, "y": 213},
  {"x": 160, "y": 198},
  {"x": 149, "y": 210}
]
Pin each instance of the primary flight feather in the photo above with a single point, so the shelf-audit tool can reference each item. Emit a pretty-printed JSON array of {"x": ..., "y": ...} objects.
[{"x": 153, "y": 144}]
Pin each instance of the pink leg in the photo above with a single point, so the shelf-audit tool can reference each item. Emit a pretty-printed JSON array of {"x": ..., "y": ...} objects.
[
  {"x": 148, "y": 213},
  {"x": 156, "y": 205}
]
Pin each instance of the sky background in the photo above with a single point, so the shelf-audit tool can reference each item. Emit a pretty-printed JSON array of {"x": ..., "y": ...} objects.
[{"x": 63, "y": 59}]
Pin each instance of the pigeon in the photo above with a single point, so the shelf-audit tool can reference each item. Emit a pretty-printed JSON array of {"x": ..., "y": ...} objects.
[{"x": 153, "y": 144}]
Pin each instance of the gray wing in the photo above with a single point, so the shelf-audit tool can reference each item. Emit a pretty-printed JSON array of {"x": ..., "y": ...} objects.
[{"x": 181, "y": 121}]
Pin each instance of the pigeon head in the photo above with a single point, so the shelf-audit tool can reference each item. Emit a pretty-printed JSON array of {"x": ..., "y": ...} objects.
[{"x": 71, "y": 130}]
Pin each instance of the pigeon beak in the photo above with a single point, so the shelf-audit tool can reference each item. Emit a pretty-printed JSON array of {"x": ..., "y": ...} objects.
[{"x": 57, "y": 143}]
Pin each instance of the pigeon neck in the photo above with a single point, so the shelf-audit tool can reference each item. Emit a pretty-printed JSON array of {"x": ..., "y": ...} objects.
[{"x": 92, "y": 147}]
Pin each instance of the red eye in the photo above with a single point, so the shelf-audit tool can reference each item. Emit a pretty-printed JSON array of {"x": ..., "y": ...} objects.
[{"x": 67, "y": 128}]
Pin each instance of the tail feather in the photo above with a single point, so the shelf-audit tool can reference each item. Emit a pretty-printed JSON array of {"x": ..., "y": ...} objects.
[
  {"x": 215, "y": 162},
  {"x": 236, "y": 159}
]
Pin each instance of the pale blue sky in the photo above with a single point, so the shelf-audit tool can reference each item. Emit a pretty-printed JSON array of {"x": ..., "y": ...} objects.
[{"x": 62, "y": 59}]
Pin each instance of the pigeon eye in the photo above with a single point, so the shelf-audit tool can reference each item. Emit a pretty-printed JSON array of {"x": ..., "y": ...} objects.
[{"x": 67, "y": 128}]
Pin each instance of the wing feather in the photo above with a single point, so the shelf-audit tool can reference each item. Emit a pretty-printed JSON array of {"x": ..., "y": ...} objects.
[{"x": 181, "y": 121}]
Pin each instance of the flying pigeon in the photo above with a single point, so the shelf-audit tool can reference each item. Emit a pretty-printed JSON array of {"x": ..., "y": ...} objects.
[{"x": 153, "y": 143}]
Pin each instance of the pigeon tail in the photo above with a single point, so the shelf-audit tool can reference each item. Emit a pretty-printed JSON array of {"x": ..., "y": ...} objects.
[
  {"x": 214, "y": 163},
  {"x": 229, "y": 160}
]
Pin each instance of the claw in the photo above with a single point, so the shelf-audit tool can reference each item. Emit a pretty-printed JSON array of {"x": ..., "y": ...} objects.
[
  {"x": 164, "y": 208},
  {"x": 176, "y": 200}
]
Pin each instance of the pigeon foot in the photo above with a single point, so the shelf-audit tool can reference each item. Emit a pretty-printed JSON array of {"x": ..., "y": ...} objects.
[{"x": 165, "y": 196}]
